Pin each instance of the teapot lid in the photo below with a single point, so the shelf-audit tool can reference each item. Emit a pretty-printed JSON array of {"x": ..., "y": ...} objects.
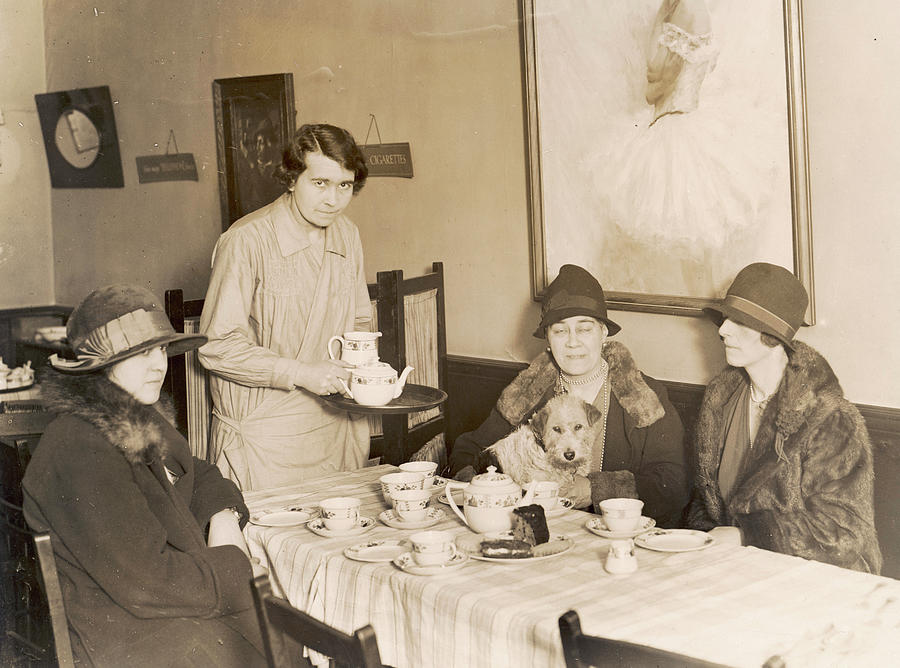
[{"x": 493, "y": 478}]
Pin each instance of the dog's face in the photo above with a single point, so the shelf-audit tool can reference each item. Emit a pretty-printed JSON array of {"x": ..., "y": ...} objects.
[{"x": 565, "y": 429}]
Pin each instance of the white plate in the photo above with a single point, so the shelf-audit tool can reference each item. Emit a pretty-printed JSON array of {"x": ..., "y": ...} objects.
[
  {"x": 407, "y": 564},
  {"x": 286, "y": 518},
  {"x": 674, "y": 540},
  {"x": 598, "y": 526},
  {"x": 318, "y": 526},
  {"x": 377, "y": 550},
  {"x": 471, "y": 544},
  {"x": 432, "y": 517}
]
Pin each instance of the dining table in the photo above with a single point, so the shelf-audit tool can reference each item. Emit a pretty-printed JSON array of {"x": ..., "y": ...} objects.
[{"x": 723, "y": 603}]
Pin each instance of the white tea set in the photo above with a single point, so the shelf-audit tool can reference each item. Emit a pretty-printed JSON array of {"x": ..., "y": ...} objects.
[{"x": 372, "y": 382}]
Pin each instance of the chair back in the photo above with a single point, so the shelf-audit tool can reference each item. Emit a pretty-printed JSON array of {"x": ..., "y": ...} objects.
[
  {"x": 278, "y": 618},
  {"x": 581, "y": 651},
  {"x": 187, "y": 382},
  {"x": 411, "y": 317},
  {"x": 37, "y": 624}
]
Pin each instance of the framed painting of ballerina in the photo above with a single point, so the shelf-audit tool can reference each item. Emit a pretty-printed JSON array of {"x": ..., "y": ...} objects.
[{"x": 666, "y": 145}]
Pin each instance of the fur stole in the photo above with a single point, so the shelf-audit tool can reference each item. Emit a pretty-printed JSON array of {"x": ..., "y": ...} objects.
[
  {"x": 809, "y": 392},
  {"x": 519, "y": 399},
  {"x": 132, "y": 427}
]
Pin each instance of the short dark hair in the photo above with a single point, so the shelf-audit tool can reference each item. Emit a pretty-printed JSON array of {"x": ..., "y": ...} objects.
[
  {"x": 332, "y": 142},
  {"x": 770, "y": 340}
]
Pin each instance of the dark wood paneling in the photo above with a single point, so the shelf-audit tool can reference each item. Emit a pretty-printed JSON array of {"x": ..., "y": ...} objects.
[{"x": 474, "y": 384}]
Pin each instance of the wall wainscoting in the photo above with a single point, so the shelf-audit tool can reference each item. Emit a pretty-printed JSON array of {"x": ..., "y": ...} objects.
[{"x": 474, "y": 384}]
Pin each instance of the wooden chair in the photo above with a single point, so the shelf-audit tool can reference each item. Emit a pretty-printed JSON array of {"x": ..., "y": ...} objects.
[
  {"x": 187, "y": 382},
  {"x": 37, "y": 626},
  {"x": 278, "y": 618},
  {"x": 581, "y": 651},
  {"x": 410, "y": 315}
]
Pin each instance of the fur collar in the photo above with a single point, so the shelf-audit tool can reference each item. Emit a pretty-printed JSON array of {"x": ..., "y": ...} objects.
[
  {"x": 132, "y": 427},
  {"x": 529, "y": 388}
]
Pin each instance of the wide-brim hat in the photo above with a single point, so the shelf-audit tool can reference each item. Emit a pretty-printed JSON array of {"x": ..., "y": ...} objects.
[
  {"x": 573, "y": 292},
  {"x": 116, "y": 322},
  {"x": 767, "y": 298}
]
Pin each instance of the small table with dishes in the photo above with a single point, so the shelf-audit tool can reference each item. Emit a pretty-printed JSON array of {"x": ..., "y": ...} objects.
[{"x": 721, "y": 603}]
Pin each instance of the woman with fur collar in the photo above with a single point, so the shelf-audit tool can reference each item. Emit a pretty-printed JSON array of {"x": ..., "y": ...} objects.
[
  {"x": 639, "y": 451},
  {"x": 783, "y": 460},
  {"x": 127, "y": 505}
]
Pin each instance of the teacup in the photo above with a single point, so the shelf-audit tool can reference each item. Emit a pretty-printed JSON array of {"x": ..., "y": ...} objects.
[
  {"x": 392, "y": 482},
  {"x": 410, "y": 504},
  {"x": 357, "y": 348},
  {"x": 425, "y": 468},
  {"x": 546, "y": 493},
  {"x": 432, "y": 548},
  {"x": 340, "y": 513},
  {"x": 621, "y": 558},
  {"x": 621, "y": 514}
]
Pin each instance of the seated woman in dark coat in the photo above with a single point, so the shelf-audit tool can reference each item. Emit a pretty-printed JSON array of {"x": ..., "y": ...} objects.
[
  {"x": 641, "y": 449},
  {"x": 127, "y": 505},
  {"x": 784, "y": 461}
]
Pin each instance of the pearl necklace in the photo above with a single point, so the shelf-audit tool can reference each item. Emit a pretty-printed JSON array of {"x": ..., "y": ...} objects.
[{"x": 599, "y": 374}]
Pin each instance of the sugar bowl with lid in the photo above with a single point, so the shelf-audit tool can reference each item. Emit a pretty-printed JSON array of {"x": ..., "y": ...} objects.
[{"x": 488, "y": 501}]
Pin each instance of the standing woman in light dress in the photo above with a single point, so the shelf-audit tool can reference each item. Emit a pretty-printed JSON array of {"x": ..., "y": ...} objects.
[{"x": 285, "y": 279}]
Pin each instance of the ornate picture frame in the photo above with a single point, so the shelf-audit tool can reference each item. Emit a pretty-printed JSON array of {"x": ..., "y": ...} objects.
[
  {"x": 664, "y": 196},
  {"x": 254, "y": 119}
]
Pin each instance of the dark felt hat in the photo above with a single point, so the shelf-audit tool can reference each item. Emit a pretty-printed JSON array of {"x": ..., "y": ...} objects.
[
  {"x": 767, "y": 298},
  {"x": 116, "y": 322},
  {"x": 573, "y": 292}
]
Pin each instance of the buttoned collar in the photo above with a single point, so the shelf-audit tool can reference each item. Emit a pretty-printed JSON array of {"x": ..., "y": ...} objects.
[{"x": 291, "y": 230}]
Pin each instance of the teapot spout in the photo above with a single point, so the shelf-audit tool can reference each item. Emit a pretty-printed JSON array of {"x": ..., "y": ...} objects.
[{"x": 401, "y": 381}]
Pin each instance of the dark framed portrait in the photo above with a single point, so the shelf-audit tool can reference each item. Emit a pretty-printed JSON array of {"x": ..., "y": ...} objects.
[
  {"x": 254, "y": 122},
  {"x": 79, "y": 130}
]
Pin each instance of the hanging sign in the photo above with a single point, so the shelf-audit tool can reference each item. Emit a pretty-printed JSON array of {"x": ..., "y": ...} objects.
[
  {"x": 388, "y": 159},
  {"x": 169, "y": 167}
]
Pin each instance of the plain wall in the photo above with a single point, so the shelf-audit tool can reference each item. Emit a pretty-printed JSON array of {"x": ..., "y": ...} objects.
[
  {"x": 26, "y": 254},
  {"x": 446, "y": 77}
]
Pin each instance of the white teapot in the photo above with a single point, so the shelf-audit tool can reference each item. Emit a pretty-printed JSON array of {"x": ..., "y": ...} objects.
[
  {"x": 488, "y": 501},
  {"x": 375, "y": 384}
]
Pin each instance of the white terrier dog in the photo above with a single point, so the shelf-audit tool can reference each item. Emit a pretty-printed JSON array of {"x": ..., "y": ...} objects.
[{"x": 557, "y": 443}]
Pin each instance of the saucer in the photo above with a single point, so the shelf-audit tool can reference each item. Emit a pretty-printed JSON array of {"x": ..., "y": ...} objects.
[
  {"x": 432, "y": 517},
  {"x": 377, "y": 550},
  {"x": 597, "y": 525},
  {"x": 318, "y": 526},
  {"x": 407, "y": 564},
  {"x": 286, "y": 518}
]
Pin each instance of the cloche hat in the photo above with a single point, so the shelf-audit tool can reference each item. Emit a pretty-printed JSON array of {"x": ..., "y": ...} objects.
[
  {"x": 116, "y": 322},
  {"x": 573, "y": 292},
  {"x": 767, "y": 298}
]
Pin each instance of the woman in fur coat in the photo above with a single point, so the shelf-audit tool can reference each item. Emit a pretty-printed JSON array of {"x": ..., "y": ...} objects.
[
  {"x": 639, "y": 450},
  {"x": 783, "y": 460},
  {"x": 127, "y": 505}
]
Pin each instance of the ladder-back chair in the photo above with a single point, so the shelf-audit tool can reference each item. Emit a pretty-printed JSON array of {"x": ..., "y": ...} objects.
[
  {"x": 410, "y": 315},
  {"x": 187, "y": 382},
  {"x": 278, "y": 618}
]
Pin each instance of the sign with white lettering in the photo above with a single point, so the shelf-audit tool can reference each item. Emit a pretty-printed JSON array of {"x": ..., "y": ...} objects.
[
  {"x": 169, "y": 167},
  {"x": 388, "y": 159}
]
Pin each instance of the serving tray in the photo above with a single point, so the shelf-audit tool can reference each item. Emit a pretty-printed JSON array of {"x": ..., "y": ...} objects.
[{"x": 413, "y": 398}]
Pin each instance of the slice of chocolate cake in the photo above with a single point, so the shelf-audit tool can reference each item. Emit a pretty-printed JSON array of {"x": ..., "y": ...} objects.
[{"x": 530, "y": 524}]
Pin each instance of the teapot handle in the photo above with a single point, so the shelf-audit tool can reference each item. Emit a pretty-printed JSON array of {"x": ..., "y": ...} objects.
[
  {"x": 332, "y": 340},
  {"x": 451, "y": 484},
  {"x": 346, "y": 389}
]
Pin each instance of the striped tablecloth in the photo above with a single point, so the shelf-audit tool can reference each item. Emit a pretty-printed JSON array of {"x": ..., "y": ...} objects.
[{"x": 733, "y": 605}]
